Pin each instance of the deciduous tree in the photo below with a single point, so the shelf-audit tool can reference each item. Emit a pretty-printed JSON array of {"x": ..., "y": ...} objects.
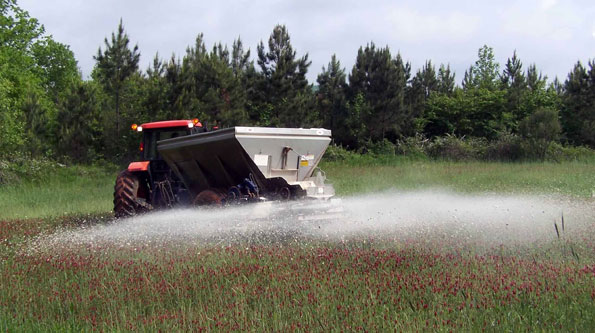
[{"x": 486, "y": 69}]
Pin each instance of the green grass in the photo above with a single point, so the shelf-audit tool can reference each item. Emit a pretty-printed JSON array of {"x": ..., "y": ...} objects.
[
  {"x": 61, "y": 191},
  {"x": 318, "y": 287},
  {"x": 567, "y": 178},
  {"x": 433, "y": 280}
]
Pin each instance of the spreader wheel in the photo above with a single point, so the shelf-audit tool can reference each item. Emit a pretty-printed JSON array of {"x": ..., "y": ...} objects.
[
  {"x": 126, "y": 195},
  {"x": 284, "y": 193},
  {"x": 209, "y": 197}
]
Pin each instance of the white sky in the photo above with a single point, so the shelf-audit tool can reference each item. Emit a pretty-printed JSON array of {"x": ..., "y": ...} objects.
[{"x": 554, "y": 34}]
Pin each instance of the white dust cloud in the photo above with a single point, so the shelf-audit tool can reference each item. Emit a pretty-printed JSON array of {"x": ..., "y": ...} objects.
[{"x": 486, "y": 219}]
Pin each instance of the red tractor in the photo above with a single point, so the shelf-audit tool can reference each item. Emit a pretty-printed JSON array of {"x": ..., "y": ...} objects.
[
  {"x": 150, "y": 182},
  {"x": 181, "y": 163}
]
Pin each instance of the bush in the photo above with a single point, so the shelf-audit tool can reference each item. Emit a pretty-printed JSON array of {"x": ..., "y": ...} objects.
[
  {"x": 17, "y": 166},
  {"x": 540, "y": 129},
  {"x": 384, "y": 147},
  {"x": 508, "y": 147},
  {"x": 414, "y": 146},
  {"x": 558, "y": 153},
  {"x": 456, "y": 149},
  {"x": 6, "y": 176},
  {"x": 337, "y": 153}
]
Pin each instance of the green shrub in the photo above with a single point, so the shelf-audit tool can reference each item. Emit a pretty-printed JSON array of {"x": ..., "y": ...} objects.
[
  {"x": 18, "y": 166},
  {"x": 558, "y": 153},
  {"x": 540, "y": 129},
  {"x": 508, "y": 147},
  {"x": 384, "y": 147},
  {"x": 337, "y": 153},
  {"x": 6, "y": 175},
  {"x": 453, "y": 148},
  {"x": 414, "y": 146}
]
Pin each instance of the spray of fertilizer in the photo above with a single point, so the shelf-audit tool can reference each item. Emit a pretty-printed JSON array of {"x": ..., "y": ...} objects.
[{"x": 489, "y": 219}]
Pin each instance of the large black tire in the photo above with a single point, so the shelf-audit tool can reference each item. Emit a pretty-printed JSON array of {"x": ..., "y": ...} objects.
[{"x": 126, "y": 194}]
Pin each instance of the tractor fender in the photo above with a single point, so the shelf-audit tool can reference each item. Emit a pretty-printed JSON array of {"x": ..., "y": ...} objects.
[
  {"x": 138, "y": 166},
  {"x": 140, "y": 170}
]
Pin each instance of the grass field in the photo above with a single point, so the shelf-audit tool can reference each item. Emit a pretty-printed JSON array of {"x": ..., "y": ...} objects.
[
  {"x": 307, "y": 287},
  {"x": 568, "y": 178},
  {"x": 63, "y": 191},
  {"x": 435, "y": 280}
]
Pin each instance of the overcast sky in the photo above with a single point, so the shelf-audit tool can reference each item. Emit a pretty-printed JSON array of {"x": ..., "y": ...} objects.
[{"x": 554, "y": 34}]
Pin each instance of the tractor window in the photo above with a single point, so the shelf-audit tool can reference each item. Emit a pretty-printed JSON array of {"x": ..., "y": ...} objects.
[{"x": 151, "y": 137}]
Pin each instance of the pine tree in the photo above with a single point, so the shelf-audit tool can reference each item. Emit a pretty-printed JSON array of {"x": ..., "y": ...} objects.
[
  {"x": 535, "y": 80},
  {"x": 284, "y": 89},
  {"x": 426, "y": 78},
  {"x": 208, "y": 85},
  {"x": 244, "y": 70},
  {"x": 513, "y": 73},
  {"x": 331, "y": 98},
  {"x": 173, "y": 78},
  {"x": 469, "y": 79},
  {"x": 382, "y": 80},
  {"x": 184, "y": 78},
  {"x": 557, "y": 86},
  {"x": 537, "y": 95},
  {"x": 423, "y": 84},
  {"x": 220, "y": 92},
  {"x": 240, "y": 59},
  {"x": 578, "y": 112},
  {"x": 156, "y": 88},
  {"x": 79, "y": 123},
  {"x": 514, "y": 83},
  {"x": 115, "y": 65},
  {"x": 446, "y": 80}
]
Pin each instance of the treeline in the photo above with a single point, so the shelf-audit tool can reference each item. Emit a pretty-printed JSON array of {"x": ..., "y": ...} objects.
[{"x": 46, "y": 109}]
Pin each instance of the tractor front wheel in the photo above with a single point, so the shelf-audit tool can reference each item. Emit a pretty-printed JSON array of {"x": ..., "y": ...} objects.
[{"x": 126, "y": 195}]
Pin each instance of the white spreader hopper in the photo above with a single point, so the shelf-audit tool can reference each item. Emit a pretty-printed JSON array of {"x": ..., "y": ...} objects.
[{"x": 281, "y": 161}]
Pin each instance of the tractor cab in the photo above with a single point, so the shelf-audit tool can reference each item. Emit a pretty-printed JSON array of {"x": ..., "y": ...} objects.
[{"x": 163, "y": 130}]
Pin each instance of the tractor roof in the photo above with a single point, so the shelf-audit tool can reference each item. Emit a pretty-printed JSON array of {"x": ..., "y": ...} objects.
[{"x": 167, "y": 123}]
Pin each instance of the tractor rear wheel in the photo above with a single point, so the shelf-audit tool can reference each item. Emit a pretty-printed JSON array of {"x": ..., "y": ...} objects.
[{"x": 126, "y": 195}]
